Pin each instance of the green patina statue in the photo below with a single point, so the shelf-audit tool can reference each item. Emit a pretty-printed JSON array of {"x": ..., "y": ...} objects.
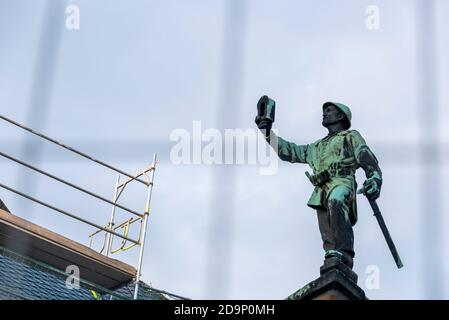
[{"x": 334, "y": 160}]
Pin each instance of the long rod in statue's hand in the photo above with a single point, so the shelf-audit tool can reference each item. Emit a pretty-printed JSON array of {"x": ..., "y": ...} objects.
[{"x": 384, "y": 229}]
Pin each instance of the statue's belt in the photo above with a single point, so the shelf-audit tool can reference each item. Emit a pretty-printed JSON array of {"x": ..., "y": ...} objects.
[{"x": 325, "y": 176}]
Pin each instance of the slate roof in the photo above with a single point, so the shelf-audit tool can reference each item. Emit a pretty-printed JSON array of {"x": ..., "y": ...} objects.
[{"x": 22, "y": 278}]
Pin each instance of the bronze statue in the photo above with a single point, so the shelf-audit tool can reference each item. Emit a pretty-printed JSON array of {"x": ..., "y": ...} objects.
[{"x": 334, "y": 160}]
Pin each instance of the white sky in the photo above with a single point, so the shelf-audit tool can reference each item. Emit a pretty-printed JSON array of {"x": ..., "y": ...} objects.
[{"x": 136, "y": 70}]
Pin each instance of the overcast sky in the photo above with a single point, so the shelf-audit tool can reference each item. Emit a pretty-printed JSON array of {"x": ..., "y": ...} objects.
[{"x": 137, "y": 70}]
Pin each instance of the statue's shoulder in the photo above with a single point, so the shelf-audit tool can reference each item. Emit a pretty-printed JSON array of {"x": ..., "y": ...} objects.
[
  {"x": 315, "y": 144},
  {"x": 355, "y": 137},
  {"x": 352, "y": 132},
  {"x": 346, "y": 132}
]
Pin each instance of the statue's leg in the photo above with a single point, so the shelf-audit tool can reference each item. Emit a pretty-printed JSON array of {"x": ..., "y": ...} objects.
[
  {"x": 325, "y": 229},
  {"x": 338, "y": 204}
]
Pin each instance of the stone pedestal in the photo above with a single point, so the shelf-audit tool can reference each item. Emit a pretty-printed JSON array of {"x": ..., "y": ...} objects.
[{"x": 337, "y": 282}]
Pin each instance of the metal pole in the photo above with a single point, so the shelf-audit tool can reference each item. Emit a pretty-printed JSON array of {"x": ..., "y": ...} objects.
[
  {"x": 111, "y": 220},
  {"x": 136, "y": 176},
  {"x": 70, "y": 149},
  {"x": 68, "y": 183},
  {"x": 144, "y": 229},
  {"x": 71, "y": 215}
]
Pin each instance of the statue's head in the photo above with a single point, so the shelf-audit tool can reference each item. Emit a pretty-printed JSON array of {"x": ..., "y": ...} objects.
[{"x": 334, "y": 112}]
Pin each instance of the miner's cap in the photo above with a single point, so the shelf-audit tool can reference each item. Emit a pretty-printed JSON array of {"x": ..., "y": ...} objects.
[{"x": 345, "y": 109}]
